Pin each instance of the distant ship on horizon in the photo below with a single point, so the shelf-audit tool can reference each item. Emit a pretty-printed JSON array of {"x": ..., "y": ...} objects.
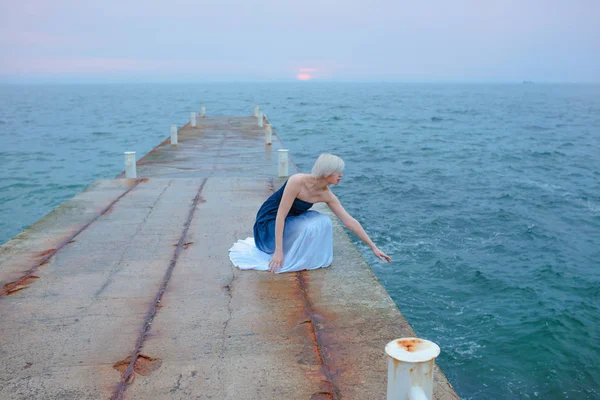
[{"x": 527, "y": 82}]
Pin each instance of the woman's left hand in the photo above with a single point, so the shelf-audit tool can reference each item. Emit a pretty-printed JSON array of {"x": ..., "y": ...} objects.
[
  {"x": 381, "y": 255},
  {"x": 276, "y": 261}
]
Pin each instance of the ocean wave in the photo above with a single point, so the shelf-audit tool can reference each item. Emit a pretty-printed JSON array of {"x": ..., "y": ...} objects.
[
  {"x": 548, "y": 272},
  {"x": 416, "y": 191},
  {"x": 550, "y": 187},
  {"x": 542, "y": 153},
  {"x": 464, "y": 111},
  {"x": 19, "y": 185},
  {"x": 534, "y": 232},
  {"x": 536, "y": 128},
  {"x": 567, "y": 144},
  {"x": 592, "y": 207},
  {"x": 464, "y": 350}
]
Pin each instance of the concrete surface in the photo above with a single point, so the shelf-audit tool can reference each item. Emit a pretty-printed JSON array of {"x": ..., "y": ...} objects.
[{"x": 127, "y": 291}]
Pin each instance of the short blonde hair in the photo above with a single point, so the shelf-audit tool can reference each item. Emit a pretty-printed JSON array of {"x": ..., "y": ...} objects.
[{"x": 326, "y": 165}]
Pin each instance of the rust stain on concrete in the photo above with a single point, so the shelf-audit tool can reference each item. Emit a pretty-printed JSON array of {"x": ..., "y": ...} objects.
[
  {"x": 143, "y": 365},
  {"x": 46, "y": 255},
  {"x": 16, "y": 286},
  {"x": 320, "y": 340},
  {"x": 128, "y": 373}
]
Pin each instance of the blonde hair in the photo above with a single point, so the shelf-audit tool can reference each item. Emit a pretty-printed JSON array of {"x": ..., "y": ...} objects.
[{"x": 326, "y": 165}]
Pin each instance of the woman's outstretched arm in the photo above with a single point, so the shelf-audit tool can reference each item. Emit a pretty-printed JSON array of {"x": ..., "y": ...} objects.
[{"x": 355, "y": 226}]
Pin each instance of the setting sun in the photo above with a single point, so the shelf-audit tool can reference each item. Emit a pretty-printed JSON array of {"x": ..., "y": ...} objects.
[
  {"x": 306, "y": 74},
  {"x": 302, "y": 76}
]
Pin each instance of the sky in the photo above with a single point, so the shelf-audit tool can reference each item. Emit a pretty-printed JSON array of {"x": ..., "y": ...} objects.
[{"x": 308, "y": 40}]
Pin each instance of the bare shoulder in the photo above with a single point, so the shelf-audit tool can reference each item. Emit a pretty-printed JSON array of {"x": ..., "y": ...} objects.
[
  {"x": 294, "y": 185},
  {"x": 329, "y": 197},
  {"x": 296, "y": 180}
]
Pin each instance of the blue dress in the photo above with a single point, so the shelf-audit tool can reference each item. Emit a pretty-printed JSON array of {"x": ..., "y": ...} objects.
[
  {"x": 307, "y": 238},
  {"x": 264, "y": 227}
]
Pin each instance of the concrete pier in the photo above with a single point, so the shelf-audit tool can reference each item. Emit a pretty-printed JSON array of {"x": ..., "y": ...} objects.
[{"x": 127, "y": 290}]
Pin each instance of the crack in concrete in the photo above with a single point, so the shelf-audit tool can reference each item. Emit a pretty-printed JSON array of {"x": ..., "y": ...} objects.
[
  {"x": 177, "y": 385},
  {"x": 218, "y": 156},
  {"x": 147, "y": 323},
  {"x": 113, "y": 271},
  {"x": 10, "y": 286},
  {"x": 228, "y": 289}
]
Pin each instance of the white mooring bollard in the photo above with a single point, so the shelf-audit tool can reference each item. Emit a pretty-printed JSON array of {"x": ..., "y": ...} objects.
[
  {"x": 268, "y": 134},
  {"x": 193, "y": 118},
  {"x": 203, "y": 112},
  {"x": 173, "y": 135},
  {"x": 283, "y": 162},
  {"x": 255, "y": 112},
  {"x": 260, "y": 119},
  {"x": 130, "y": 167},
  {"x": 410, "y": 369}
]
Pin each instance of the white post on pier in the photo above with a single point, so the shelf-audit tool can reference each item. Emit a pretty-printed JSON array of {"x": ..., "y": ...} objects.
[
  {"x": 193, "y": 118},
  {"x": 130, "y": 167},
  {"x": 203, "y": 112},
  {"x": 260, "y": 119},
  {"x": 255, "y": 112},
  {"x": 410, "y": 368},
  {"x": 268, "y": 134},
  {"x": 173, "y": 135},
  {"x": 283, "y": 162}
]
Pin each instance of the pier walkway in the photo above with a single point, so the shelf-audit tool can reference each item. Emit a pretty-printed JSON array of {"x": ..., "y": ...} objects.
[{"x": 127, "y": 291}]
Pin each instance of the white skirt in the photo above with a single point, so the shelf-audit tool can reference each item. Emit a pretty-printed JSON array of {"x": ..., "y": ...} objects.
[{"x": 307, "y": 244}]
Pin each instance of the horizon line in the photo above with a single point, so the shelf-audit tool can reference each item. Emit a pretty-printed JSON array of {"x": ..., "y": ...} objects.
[{"x": 288, "y": 81}]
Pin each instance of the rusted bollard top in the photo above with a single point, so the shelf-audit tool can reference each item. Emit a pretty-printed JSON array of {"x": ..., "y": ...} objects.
[{"x": 412, "y": 350}]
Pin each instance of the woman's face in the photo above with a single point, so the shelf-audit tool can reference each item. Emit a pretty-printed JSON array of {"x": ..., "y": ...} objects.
[{"x": 334, "y": 179}]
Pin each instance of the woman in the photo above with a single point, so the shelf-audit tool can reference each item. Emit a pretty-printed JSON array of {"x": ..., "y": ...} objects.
[{"x": 298, "y": 238}]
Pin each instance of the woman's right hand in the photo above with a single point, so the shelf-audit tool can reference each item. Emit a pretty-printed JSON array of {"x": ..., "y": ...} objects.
[
  {"x": 276, "y": 261},
  {"x": 380, "y": 254}
]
